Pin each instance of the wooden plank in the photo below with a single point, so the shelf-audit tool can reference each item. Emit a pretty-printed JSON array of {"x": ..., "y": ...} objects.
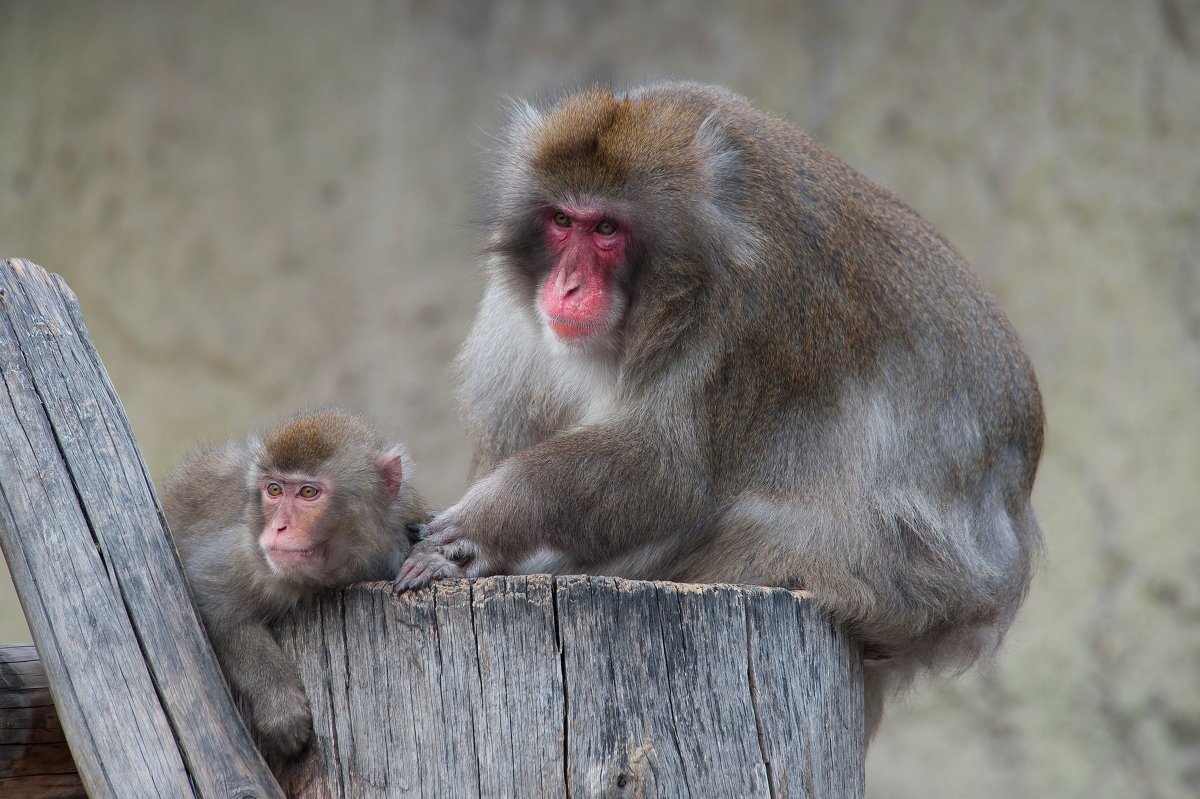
[
  {"x": 137, "y": 688},
  {"x": 575, "y": 686},
  {"x": 47, "y": 786},
  {"x": 35, "y": 761}
]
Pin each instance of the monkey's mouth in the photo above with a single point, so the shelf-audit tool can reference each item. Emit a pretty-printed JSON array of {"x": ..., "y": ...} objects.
[
  {"x": 281, "y": 556},
  {"x": 575, "y": 330}
]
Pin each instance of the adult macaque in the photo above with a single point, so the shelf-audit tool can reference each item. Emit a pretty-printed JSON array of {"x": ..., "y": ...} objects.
[
  {"x": 317, "y": 503},
  {"x": 710, "y": 351}
]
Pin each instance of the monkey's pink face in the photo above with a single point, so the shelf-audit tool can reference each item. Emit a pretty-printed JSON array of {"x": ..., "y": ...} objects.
[
  {"x": 292, "y": 509},
  {"x": 580, "y": 298}
]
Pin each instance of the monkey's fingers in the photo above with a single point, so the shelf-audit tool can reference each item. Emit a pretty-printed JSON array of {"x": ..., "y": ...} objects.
[
  {"x": 417, "y": 575},
  {"x": 408, "y": 576},
  {"x": 422, "y": 568}
]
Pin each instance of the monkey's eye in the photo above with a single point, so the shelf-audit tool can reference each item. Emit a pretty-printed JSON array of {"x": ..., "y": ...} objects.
[
  {"x": 606, "y": 228},
  {"x": 561, "y": 219},
  {"x": 308, "y": 492},
  {"x": 274, "y": 489}
]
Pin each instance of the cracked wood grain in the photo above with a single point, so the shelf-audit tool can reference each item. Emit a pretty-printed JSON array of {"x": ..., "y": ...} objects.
[{"x": 537, "y": 686}]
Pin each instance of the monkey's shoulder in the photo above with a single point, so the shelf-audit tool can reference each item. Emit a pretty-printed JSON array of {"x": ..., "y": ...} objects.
[{"x": 208, "y": 489}]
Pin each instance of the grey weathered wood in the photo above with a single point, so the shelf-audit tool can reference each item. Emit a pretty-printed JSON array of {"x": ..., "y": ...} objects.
[
  {"x": 575, "y": 686},
  {"x": 138, "y": 691},
  {"x": 35, "y": 762}
]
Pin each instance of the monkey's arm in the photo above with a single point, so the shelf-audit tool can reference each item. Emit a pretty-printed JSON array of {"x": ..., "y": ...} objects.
[
  {"x": 262, "y": 676},
  {"x": 602, "y": 498}
]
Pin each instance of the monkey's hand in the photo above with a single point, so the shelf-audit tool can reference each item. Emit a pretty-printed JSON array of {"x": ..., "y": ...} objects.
[
  {"x": 433, "y": 558},
  {"x": 282, "y": 720}
]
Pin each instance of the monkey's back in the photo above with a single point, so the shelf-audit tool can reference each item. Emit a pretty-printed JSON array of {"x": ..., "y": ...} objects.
[
  {"x": 894, "y": 389},
  {"x": 835, "y": 284}
]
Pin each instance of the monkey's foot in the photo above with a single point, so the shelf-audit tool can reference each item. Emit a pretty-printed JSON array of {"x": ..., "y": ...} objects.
[{"x": 428, "y": 562}]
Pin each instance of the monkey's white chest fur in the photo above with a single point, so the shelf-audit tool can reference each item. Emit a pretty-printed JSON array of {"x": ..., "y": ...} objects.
[
  {"x": 582, "y": 384},
  {"x": 523, "y": 378}
]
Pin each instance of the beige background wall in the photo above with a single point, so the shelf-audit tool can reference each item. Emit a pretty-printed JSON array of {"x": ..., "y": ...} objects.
[{"x": 264, "y": 206}]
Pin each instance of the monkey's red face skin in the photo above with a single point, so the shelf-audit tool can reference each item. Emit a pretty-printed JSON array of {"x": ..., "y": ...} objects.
[
  {"x": 292, "y": 509},
  {"x": 588, "y": 248}
]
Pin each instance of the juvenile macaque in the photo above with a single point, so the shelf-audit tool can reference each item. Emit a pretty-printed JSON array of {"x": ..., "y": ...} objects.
[
  {"x": 315, "y": 504},
  {"x": 710, "y": 351}
]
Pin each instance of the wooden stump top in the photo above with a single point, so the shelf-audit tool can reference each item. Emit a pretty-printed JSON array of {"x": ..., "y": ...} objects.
[{"x": 575, "y": 686}]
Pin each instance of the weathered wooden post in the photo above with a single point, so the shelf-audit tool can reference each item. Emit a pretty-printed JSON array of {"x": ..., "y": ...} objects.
[
  {"x": 134, "y": 680},
  {"x": 576, "y": 686},
  {"x": 500, "y": 687}
]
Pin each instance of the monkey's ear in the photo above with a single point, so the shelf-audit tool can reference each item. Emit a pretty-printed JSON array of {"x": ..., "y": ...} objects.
[{"x": 391, "y": 470}]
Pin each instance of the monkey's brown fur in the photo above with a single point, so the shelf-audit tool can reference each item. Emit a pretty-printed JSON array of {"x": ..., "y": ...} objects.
[
  {"x": 809, "y": 387},
  {"x": 212, "y": 504}
]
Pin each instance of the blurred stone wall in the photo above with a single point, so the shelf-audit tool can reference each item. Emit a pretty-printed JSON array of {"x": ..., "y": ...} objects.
[{"x": 266, "y": 205}]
